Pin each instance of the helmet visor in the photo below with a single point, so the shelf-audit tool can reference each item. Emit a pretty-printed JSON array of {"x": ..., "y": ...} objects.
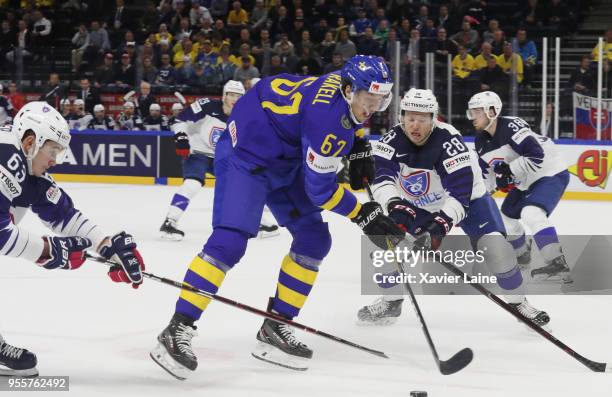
[
  {"x": 474, "y": 113},
  {"x": 54, "y": 151}
]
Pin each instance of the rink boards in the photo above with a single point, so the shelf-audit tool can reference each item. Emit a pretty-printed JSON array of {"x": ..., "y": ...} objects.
[{"x": 148, "y": 157}]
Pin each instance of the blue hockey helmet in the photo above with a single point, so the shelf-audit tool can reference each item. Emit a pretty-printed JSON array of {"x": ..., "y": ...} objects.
[{"x": 368, "y": 73}]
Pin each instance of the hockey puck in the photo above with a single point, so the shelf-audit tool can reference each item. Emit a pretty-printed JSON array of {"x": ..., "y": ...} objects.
[{"x": 418, "y": 394}]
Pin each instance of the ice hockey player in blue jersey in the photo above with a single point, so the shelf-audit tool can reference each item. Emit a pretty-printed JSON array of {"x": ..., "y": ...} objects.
[
  {"x": 530, "y": 168},
  {"x": 36, "y": 142},
  {"x": 428, "y": 180},
  {"x": 155, "y": 121},
  {"x": 100, "y": 120},
  {"x": 284, "y": 141}
]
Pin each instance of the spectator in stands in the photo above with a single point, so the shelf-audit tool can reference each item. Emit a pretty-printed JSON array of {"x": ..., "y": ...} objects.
[
  {"x": 420, "y": 20},
  {"x": 100, "y": 121},
  {"x": 443, "y": 46},
  {"x": 198, "y": 78},
  {"x": 41, "y": 33},
  {"x": 166, "y": 75},
  {"x": 53, "y": 91},
  {"x": 145, "y": 99},
  {"x": 245, "y": 38},
  {"x": 128, "y": 41},
  {"x": 582, "y": 79},
  {"x": 345, "y": 46},
  {"x": 80, "y": 42},
  {"x": 368, "y": 45},
  {"x": 184, "y": 58},
  {"x": 206, "y": 56},
  {"x": 275, "y": 67},
  {"x": 218, "y": 8},
  {"x": 225, "y": 67},
  {"x": 307, "y": 65},
  {"x": 382, "y": 31},
  {"x": 198, "y": 13},
  {"x": 488, "y": 35},
  {"x": 237, "y": 17},
  {"x": 6, "y": 108},
  {"x": 482, "y": 60},
  {"x": 476, "y": 11},
  {"x": 246, "y": 70},
  {"x": 357, "y": 28},
  {"x": 262, "y": 49},
  {"x": 463, "y": 65},
  {"x": 105, "y": 73},
  {"x": 388, "y": 49},
  {"x": 281, "y": 22},
  {"x": 23, "y": 43},
  {"x": 327, "y": 47},
  {"x": 98, "y": 43},
  {"x": 443, "y": 20},
  {"x": 125, "y": 74},
  {"x": 245, "y": 51},
  {"x": 284, "y": 41},
  {"x": 88, "y": 94},
  {"x": 493, "y": 78},
  {"x": 467, "y": 37},
  {"x": 319, "y": 30},
  {"x": 151, "y": 17},
  {"x": 404, "y": 31},
  {"x": 305, "y": 42},
  {"x": 122, "y": 19},
  {"x": 155, "y": 120},
  {"x": 340, "y": 27},
  {"x": 128, "y": 120},
  {"x": 607, "y": 45},
  {"x": 259, "y": 16},
  {"x": 497, "y": 45},
  {"x": 8, "y": 39},
  {"x": 428, "y": 31},
  {"x": 416, "y": 50},
  {"x": 336, "y": 64},
  {"x": 558, "y": 16},
  {"x": 295, "y": 34},
  {"x": 163, "y": 34},
  {"x": 528, "y": 52},
  {"x": 511, "y": 63},
  {"x": 17, "y": 98},
  {"x": 163, "y": 48},
  {"x": 149, "y": 71},
  {"x": 532, "y": 15}
]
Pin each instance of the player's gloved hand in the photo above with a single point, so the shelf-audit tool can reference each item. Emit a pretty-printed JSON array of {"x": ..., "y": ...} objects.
[
  {"x": 361, "y": 164},
  {"x": 181, "y": 142},
  {"x": 64, "y": 252},
  {"x": 504, "y": 179},
  {"x": 377, "y": 226},
  {"x": 438, "y": 224},
  {"x": 121, "y": 248},
  {"x": 402, "y": 212}
]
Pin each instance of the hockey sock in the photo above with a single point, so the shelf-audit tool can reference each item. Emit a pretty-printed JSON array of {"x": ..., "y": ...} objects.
[
  {"x": 180, "y": 200},
  {"x": 544, "y": 234},
  {"x": 294, "y": 284}
]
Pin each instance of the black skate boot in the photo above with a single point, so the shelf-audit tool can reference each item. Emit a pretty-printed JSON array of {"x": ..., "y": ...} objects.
[
  {"x": 170, "y": 232},
  {"x": 173, "y": 351},
  {"x": 381, "y": 312},
  {"x": 277, "y": 344},
  {"x": 555, "y": 271},
  {"x": 524, "y": 259},
  {"x": 538, "y": 317},
  {"x": 15, "y": 361}
]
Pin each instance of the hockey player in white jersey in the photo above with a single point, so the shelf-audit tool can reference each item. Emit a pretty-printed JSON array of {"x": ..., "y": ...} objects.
[
  {"x": 428, "y": 180},
  {"x": 36, "y": 142},
  {"x": 196, "y": 133},
  {"x": 529, "y": 167}
]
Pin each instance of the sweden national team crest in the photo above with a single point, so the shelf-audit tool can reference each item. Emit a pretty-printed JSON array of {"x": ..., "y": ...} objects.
[
  {"x": 416, "y": 184},
  {"x": 215, "y": 134}
]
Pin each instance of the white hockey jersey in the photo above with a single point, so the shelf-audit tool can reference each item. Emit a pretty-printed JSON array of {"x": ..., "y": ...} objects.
[{"x": 203, "y": 121}]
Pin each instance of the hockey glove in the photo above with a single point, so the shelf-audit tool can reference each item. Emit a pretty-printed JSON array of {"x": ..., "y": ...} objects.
[
  {"x": 377, "y": 226},
  {"x": 64, "y": 252},
  {"x": 403, "y": 213},
  {"x": 122, "y": 249},
  {"x": 181, "y": 142},
  {"x": 361, "y": 164},
  {"x": 504, "y": 179},
  {"x": 437, "y": 224}
]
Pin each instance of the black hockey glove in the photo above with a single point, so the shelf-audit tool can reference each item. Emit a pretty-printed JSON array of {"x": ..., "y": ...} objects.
[
  {"x": 377, "y": 226},
  {"x": 504, "y": 179},
  {"x": 361, "y": 164},
  {"x": 437, "y": 224},
  {"x": 181, "y": 142}
]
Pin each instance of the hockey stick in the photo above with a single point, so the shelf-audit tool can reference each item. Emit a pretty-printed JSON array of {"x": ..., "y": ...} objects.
[
  {"x": 242, "y": 306},
  {"x": 457, "y": 362},
  {"x": 592, "y": 365}
]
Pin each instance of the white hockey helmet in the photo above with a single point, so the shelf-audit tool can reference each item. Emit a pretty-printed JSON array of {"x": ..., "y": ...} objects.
[
  {"x": 233, "y": 86},
  {"x": 64, "y": 102},
  {"x": 154, "y": 106},
  {"x": 46, "y": 123},
  {"x": 79, "y": 102},
  {"x": 177, "y": 106},
  {"x": 418, "y": 100},
  {"x": 98, "y": 108},
  {"x": 484, "y": 100}
]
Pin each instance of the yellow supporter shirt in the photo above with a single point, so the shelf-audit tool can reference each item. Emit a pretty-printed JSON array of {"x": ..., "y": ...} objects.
[
  {"x": 463, "y": 67},
  {"x": 607, "y": 51},
  {"x": 506, "y": 65},
  {"x": 238, "y": 18}
]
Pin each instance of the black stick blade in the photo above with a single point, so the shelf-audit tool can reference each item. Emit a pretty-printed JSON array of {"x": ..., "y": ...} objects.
[{"x": 457, "y": 362}]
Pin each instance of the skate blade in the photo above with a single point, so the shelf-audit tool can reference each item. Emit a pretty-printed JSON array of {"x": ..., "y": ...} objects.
[
  {"x": 171, "y": 236},
  {"x": 162, "y": 358},
  {"x": 559, "y": 278},
  {"x": 263, "y": 234},
  {"x": 383, "y": 322},
  {"x": 274, "y": 355},
  {"x": 23, "y": 373}
]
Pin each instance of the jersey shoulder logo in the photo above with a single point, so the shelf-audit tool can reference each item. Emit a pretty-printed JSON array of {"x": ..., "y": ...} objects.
[
  {"x": 383, "y": 150},
  {"x": 53, "y": 194},
  {"x": 416, "y": 184}
]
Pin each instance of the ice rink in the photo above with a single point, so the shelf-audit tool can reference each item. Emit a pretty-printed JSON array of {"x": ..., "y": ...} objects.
[{"x": 82, "y": 325}]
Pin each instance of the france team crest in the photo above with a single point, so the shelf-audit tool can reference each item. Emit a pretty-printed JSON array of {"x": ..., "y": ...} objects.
[
  {"x": 215, "y": 134},
  {"x": 415, "y": 184}
]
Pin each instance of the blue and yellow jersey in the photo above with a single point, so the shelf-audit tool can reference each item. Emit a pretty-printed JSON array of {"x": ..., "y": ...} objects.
[{"x": 289, "y": 119}]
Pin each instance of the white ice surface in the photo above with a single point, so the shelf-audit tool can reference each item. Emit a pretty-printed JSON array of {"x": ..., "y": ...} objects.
[{"x": 99, "y": 333}]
